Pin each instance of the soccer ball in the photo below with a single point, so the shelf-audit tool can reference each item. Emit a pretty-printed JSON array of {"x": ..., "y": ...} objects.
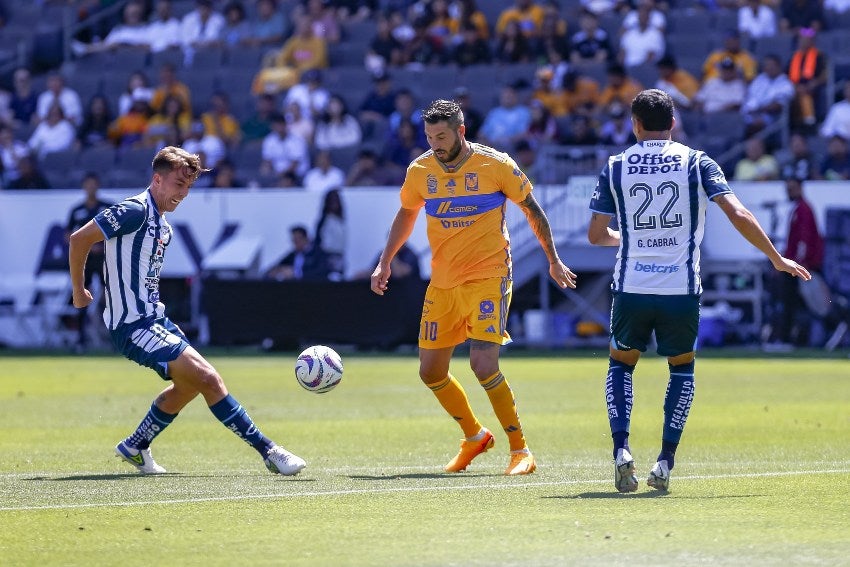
[{"x": 318, "y": 369}]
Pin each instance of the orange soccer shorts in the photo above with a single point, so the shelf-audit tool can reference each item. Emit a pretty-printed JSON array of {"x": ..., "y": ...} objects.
[{"x": 473, "y": 310}]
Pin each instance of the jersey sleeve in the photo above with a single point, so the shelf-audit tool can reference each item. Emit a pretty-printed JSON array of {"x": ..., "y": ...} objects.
[
  {"x": 515, "y": 184},
  {"x": 713, "y": 180},
  {"x": 410, "y": 197},
  {"x": 602, "y": 200},
  {"x": 124, "y": 218}
]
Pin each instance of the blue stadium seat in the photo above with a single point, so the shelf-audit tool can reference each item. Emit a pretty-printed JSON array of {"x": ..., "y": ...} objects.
[
  {"x": 781, "y": 45},
  {"x": 173, "y": 56},
  {"x": 97, "y": 158}
]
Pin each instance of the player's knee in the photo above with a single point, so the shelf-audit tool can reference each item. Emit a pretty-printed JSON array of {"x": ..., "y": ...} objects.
[
  {"x": 209, "y": 381},
  {"x": 483, "y": 368},
  {"x": 430, "y": 375}
]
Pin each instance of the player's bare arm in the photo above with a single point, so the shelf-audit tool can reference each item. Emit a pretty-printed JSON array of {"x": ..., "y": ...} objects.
[
  {"x": 400, "y": 231},
  {"x": 79, "y": 245},
  {"x": 599, "y": 233},
  {"x": 559, "y": 272},
  {"x": 745, "y": 223}
]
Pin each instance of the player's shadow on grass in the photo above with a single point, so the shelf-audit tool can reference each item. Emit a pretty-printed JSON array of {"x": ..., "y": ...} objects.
[
  {"x": 416, "y": 476},
  {"x": 107, "y": 476},
  {"x": 652, "y": 494}
]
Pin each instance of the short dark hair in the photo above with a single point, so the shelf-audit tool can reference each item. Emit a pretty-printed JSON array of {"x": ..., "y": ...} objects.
[
  {"x": 300, "y": 229},
  {"x": 654, "y": 109},
  {"x": 442, "y": 110}
]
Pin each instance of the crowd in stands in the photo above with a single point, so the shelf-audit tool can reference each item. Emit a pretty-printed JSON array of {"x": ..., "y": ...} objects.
[{"x": 324, "y": 93}]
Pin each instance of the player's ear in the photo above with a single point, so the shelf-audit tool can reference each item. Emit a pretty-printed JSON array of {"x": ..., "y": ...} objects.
[{"x": 461, "y": 130}]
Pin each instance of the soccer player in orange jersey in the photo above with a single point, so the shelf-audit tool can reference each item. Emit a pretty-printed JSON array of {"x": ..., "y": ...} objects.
[{"x": 464, "y": 187}]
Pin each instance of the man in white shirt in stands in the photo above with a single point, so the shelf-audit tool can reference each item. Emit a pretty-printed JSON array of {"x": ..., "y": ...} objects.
[
  {"x": 66, "y": 97},
  {"x": 837, "y": 121},
  {"x": 323, "y": 175}
]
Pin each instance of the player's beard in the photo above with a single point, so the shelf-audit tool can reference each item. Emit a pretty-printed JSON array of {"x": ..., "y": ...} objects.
[{"x": 453, "y": 152}]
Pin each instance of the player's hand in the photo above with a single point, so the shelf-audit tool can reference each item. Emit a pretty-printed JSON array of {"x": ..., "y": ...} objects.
[
  {"x": 793, "y": 268},
  {"x": 562, "y": 275},
  {"x": 82, "y": 298},
  {"x": 380, "y": 278}
]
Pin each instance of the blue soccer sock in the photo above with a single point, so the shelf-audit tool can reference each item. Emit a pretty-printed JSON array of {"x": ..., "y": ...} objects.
[
  {"x": 677, "y": 405},
  {"x": 234, "y": 417},
  {"x": 618, "y": 399},
  {"x": 152, "y": 425}
]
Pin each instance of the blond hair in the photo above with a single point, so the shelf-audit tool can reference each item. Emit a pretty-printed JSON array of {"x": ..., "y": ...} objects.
[{"x": 172, "y": 158}]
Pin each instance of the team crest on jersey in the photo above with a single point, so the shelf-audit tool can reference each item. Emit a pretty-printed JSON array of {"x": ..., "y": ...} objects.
[
  {"x": 431, "y": 183},
  {"x": 471, "y": 181},
  {"x": 486, "y": 307}
]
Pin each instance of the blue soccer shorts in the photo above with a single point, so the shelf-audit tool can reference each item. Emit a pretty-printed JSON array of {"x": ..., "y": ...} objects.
[
  {"x": 151, "y": 342},
  {"x": 674, "y": 318}
]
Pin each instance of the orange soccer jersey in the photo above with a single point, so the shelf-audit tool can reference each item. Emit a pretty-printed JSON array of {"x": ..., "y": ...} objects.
[{"x": 465, "y": 211}]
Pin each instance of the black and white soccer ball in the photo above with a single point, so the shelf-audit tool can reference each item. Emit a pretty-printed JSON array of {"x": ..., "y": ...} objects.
[{"x": 318, "y": 369}]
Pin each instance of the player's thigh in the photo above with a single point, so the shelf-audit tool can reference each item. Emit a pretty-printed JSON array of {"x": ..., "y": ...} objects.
[
  {"x": 192, "y": 372},
  {"x": 632, "y": 321},
  {"x": 442, "y": 323},
  {"x": 151, "y": 342},
  {"x": 677, "y": 324},
  {"x": 486, "y": 305}
]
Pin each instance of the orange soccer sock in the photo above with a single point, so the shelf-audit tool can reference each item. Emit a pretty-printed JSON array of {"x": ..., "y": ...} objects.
[
  {"x": 451, "y": 396},
  {"x": 502, "y": 399}
]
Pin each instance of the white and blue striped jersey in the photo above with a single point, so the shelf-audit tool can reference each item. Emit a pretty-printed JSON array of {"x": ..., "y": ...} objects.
[
  {"x": 136, "y": 236},
  {"x": 658, "y": 190}
]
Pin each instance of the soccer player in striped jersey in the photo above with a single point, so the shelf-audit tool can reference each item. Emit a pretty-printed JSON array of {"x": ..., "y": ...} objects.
[
  {"x": 464, "y": 188},
  {"x": 658, "y": 190},
  {"x": 136, "y": 236}
]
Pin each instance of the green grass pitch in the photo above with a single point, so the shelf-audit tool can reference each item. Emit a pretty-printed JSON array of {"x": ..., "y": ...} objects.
[{"x": 761, "y": 477}]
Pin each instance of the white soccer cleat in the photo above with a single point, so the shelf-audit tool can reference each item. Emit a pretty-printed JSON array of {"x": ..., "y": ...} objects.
[
  {"x": 659, "y": 476},
  {"x": 280, "y": 461},
  {"x": 139, "y": 458},
  {"x": 624, "y": 472}
]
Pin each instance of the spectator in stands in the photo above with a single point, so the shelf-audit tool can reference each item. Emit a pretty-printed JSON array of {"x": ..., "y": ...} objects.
[
  {"x": 332, "y": 234},
  {"x": 543, "y": 128},
  {"x": 224, "y": 176},
  {"x": 53, "y": 134},
  {"x": 756, "y": 20},
  {"x": 220, "y": 123},
  {"x": 259, "y": 124},
  {"x": 58, "y": 93},
  {"x": 309, "y": 94},
  {"x": 422, "y": 50},
  {"x": 129, "y": 129},
  {"x": 553, "y": 37},
  {"x": 732, "y": 49},
  {"x": 210, "y": 147},
  {"x": 472, "y": 49},
  {"x": 757, "y": 164},
  {"x": 303, "y": 51},
  {"x": 472, "y": 117},
  {"x": 644, "y": 11},
  {"x": 169, "y": 85},
  {"x": 836, "y": 6},
  {"x": 837, "y": 122},
  {"x": 526, "y": 159},
  {"x": 768, "y": 96},
  {"x": 581, "y": 132},
  {"x": 299, "y": 124},
  {"x": 323, "y": 19},
  {"x": 798, "y": 14},
  {"x": 202, "y": 26},
  {"x": 601, "y": 7},
  {"x": 236, "y": 30},
  {"x": 283, "y": 151},
  {"x": 512, "y": 46},
  {"x": 507, "y": 122},
  {"x": 29, "y": 175},
  {"x": 368, "y": 171},
  {"x": 591, "y": 43},
  {"x": 466, "y": 12},
  {"x": 384, "y": 49},
  {"x": 548, "y": 94},
  {"x": 138, "y": 85},
  {"x": 378, "y": 104},
  {"x": 401, "y": 143},
  {"x": 24, "y": 100},
  {"x": 836, "y": 165},
  {"x": 675, "y": 81},
  {"x": 337, "y": 128},
  {"x": 405, "y": 110},
  {"x": 404, "y": 265},
  {"x": 11, "y": 152},
  {"x": 725, "y": 93},
  {"x": 131, "y": 32},
  {"x": 620, "y": 88},
  {"x": 286, "y": 180},
  {"x": 804, "y": 244},
  {"x": 439, "y": 23},
  {"x": 79, "y": 215},
  {"x": 324, "y": 175},
  {"x": 164, "y": 29},
  {"x": 581, "y": 93},
  {"x": 526, "y": 14},
  {"x": 170, "y": 126},
  {"x": 269, "y": 26},
  {"x": 402, "y": 30},
  {"x": 95, "y": 128},
  {"x": 800, "y": 164},
  {"x": 642, "y": 43},
  {"x": 617, "y": 129},
  {"x": 303, "y": 262},
  {"x": 808, "y": 71}
]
